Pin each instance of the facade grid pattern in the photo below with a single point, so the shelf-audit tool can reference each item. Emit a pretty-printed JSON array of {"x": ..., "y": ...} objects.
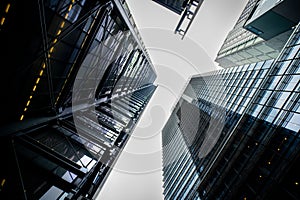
[{"x": 254, "y": 144}]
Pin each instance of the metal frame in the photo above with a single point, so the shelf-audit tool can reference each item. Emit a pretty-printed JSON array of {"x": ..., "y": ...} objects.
[{"x": 188, "y": 17}]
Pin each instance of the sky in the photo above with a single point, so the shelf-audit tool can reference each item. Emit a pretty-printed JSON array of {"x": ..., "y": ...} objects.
[{"x": 137, "y": 174}]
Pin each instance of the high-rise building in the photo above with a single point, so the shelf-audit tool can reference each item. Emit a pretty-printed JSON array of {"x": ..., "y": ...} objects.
[
  {"x": 271, "y": 18},
  {"x": 176, "y": 6},
  {"x": 188, "y": 9},
  {"x": 234, "y": 133},
  {"x": 77, "y": 80},
  {"x": 260, "y": 32}
]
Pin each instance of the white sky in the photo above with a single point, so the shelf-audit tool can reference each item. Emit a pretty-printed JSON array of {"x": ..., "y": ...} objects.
[{"x": 137, "y": 174}]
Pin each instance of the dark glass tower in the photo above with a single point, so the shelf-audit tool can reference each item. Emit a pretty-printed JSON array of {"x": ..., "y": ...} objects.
[
  {"x": 234, "y": 134},
  {"x": 77, "y": 80},
  {"x": 188, "y": 9},
  {"x": 176, "y": 6}
]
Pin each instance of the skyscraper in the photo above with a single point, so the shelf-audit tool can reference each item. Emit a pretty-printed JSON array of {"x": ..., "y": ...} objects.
[
  {"x": 175, "y": 6},
  {"x": 188, "y": 9},
  {"x": 249, "y": 42},
  {"x": 79, "y": 82},
  {"x": 234, "y": 133}
]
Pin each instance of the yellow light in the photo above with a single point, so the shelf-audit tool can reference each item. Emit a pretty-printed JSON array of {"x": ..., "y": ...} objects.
[
  {"x": 51, "y": 49},
  {"x": 21, "y": 118},
  {"x": 28, "y": 102},
  {"x": 34, "y": 88},
  {"x": 296, "y": 183},
  {"x": 7, "y": 8},
  {"x": 25, "y": 109},
  {"x": 44, "y": 66},
  {"x": 57, "y": 97},
  {"x": 49, "y": 55},
  {"x": 245, "y": 198},
  {"x": 3, "y": 182},
  {"x": 41, "y": 72},
  {"x": 66, "y": 15},
  {"x": 73, "y": 1},
  {"x": 30, "y": 97},
  {"x": 278, "y": 149},
  {"x": 62, "y": 24},
  {"x": 70, "y": 7},
  {"x": 2, "y": 20},
  {"x": 58, "y": 32},
  {"x": 54, "y": 41},
  {"x": 37, "y": 80},
  {"x": 269, "y": 163}
]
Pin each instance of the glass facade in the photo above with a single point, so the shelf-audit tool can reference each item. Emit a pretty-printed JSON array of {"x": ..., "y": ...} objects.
[
  {"x": 79, "y": 84},
  {"x": 240, "y": 127},
  {"x": 244, "y": 47},
  {"x": 176, "y": 6}
]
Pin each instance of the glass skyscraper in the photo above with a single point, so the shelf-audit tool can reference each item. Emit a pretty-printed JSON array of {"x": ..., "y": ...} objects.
[
  {"x": 78, "y": 83},
  {"x": 242, "y": 46},
  {"x": 188, "y": 9},
  {"x": 176, "y": 6},
  {"x": 234, "y": 133}
]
